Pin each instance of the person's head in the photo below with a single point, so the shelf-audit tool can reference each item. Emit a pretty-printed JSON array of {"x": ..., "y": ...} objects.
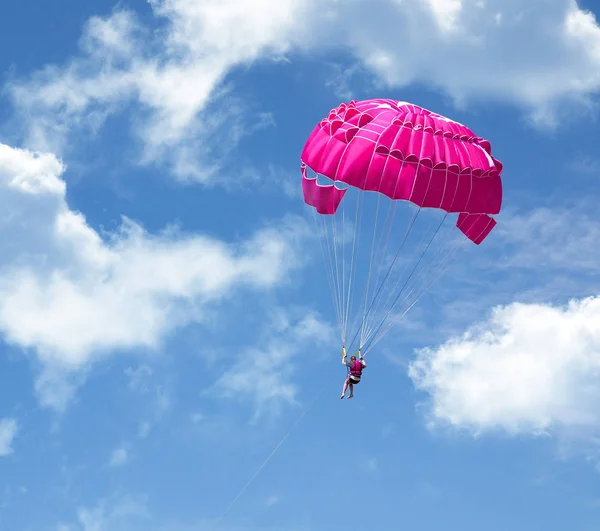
[{"x": 352, "y": 358}]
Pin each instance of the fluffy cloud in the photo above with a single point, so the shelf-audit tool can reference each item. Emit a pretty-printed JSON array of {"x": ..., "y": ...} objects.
[
  {"x": 527, "y": 369},
  {"x": 538, "y": 55},
  {"x": 70, "y": 296},
  {"x": 173, "y": 78},
  {"x": 8, "y": 431}
]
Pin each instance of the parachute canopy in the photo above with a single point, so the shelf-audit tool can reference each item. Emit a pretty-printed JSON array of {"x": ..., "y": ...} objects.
[{"x": 399, "y": 151}]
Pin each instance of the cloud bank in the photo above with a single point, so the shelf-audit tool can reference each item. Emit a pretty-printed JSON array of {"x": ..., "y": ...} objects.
[
  {"x": 543, "y": 56},
  {"x": 71, "y": 296},
  {"x": 528, "y": 369}
]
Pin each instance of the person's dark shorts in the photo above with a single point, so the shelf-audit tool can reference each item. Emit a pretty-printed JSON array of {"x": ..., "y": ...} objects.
[{"x": 353, "y": 381}]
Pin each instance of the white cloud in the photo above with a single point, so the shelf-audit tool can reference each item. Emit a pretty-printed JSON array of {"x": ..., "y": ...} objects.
[
  {"x": 197, "y": 417},
  {"x": 71, "y": 296},
  {"x": 271, "y": 500},
  {"x": 126, "y": 513},
  {"x": 265, "y": 374},
  {"x": 138, "y": 377},
  {"x": 119, "y": 456},
  {"x": 543, "y": 255},
  {"x": 446, "y": 13},
  {"x": 342, "y": 78},
  {"x": 528, "y": 54},
  {"x": 538, "y": 55},
  {"x": 173, "y": 78},
  {"x": 144, "y": 429},
  {"x": 8, "y": 432},
  {"x": 528, "y": 369},
  {"x": 115, "y": 514},
  {"x": 565, "y": 238},
  {"x": 157, "y": 396},
  {"x": 585, "y": 165},
  {"x": 371, "y": 464}
]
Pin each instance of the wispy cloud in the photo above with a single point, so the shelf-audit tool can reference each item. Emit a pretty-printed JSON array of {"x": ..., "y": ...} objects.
[
  {"x": 341, "y": 79},
  {"x": 371, "y": 464},
  {"x": 197, "y": 417},
  {"x": 122, "y": 512},
  {"x": 138, "y": 377},
  {"x": 156, "y": 392},
  {"x": 8, "y": 432},
  {"x": 271, "y": 500},
  {"x": 265, "y": 374},
  {"x": 119, "y": 456},
  {"x": 114, "y": 513},
  {"x": 144, "y": 429},
  {"x": 545, "y": 255},
  {"x": 563, "y": 238},
  {"x": 585, "y": 164}
]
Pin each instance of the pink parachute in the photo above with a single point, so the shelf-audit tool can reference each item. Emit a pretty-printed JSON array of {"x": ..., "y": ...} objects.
[{"x": 403, "y": 152}]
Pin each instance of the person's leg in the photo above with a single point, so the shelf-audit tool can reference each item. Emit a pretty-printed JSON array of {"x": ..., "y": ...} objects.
[
  {"x": 345, "y": 387},
  {"x": 351, "y": 390}
]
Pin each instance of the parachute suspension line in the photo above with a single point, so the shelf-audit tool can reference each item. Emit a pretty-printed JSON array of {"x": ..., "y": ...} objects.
[
  {"x": 449, "y": 260},
  {"x": 354, "y": 317},
  {"x": 433, "y": 267},
  {"x": 337, "y": 272},
  {"x": 385, "y": 279},
  {"x": 363, "y": 339},
  {"x": 343, "y": 264},
  {"x": 329, "y": 274},
  {"x": 381, "y": 307},
  {"x": 264, "y": 463},
  {"x": 413, "y": 270},
  {"x": 410, "y": 277},
  {"x": 392, "y": 210},
  {"x": 340, "y": 227},
  {"x": 426, "y": 279},
  {"x": 352, "y": 268},
  {"x": 371, "y": 259},
  {"x": 370, "y": 268},
  {"x": 391, "y": 214},
  {"x": 442, "y": 267},
  {"x": 429, "y": 280},
  {"x": 440, "y": 270}
]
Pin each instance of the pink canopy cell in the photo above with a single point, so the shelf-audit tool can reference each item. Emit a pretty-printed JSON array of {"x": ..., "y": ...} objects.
[{"x": 407, "y": 153}]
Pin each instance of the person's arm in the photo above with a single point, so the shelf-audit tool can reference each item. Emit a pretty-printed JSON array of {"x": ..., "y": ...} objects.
[
  {"x": 344, "y": 356},
  {"x": 362, "y": 360}
]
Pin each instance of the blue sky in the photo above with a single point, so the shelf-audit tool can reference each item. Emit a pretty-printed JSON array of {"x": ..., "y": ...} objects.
[{"x": 164, "y": 310}]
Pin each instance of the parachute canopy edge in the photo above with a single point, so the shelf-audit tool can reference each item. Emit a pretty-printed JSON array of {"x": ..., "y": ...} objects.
[
  {"x": 326, "y": 198},
  {"x": 407, "y": 153}
]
